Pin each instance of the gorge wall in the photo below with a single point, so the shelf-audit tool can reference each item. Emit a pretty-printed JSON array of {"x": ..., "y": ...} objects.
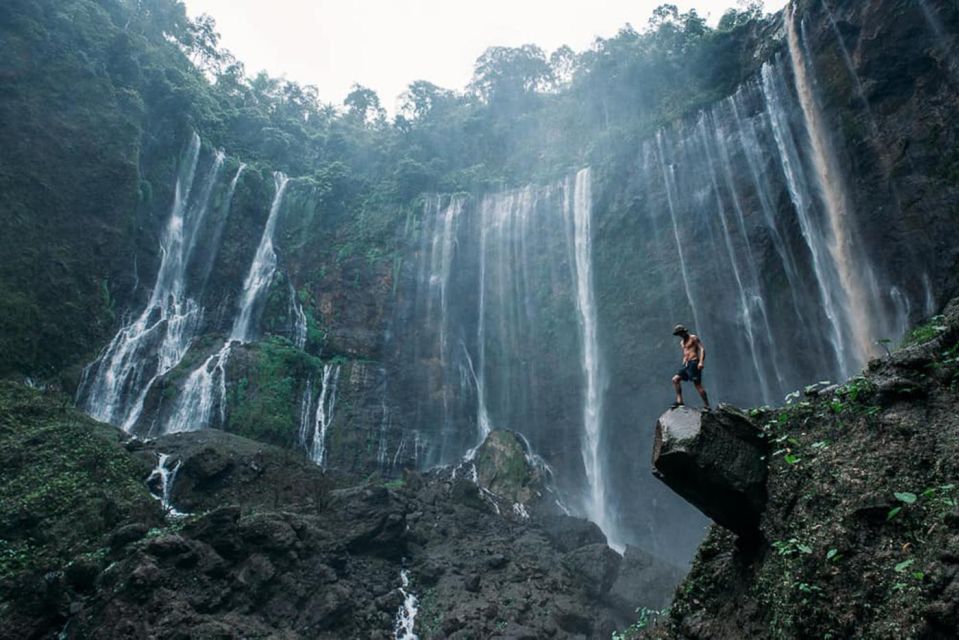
[{"x": 793, "y": 223}]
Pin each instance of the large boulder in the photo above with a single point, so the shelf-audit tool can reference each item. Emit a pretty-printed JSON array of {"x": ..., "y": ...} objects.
[
  {"x": 716, "y": 460},
  {"x": 567, "y": 533},
  {"x": 504, "y": 467},
  {"x": 594, "y": 566}
]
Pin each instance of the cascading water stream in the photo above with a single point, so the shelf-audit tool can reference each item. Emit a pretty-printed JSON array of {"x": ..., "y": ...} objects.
[
  {"x": 159, "y": 337},
  {"x": 581, "y": 214},
  {"x": 404, "y": 626},
  {"x": 669, "y": 181},
  {"x": 325, "y": 406},
  {"x": 853, "y": 293},
  {"x": 796, "y": 182},
  {"x": 299, "y": 320},
  {"x": 165, "y": 476},
  {"x": 205, "y": 388},
  {"x": 745, "y": 312}
]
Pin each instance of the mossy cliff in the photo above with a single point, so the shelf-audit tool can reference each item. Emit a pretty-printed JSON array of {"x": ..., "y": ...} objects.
[{"x": 861, "y": 527}]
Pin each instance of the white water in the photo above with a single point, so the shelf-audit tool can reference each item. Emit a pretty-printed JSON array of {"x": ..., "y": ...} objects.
[
  {"x": 299, "y": 319},
  {"x": 795, "y": 181},
  {"x": 745, "y": 310},
  {"x": 670, "y": 183},
  {"x": 853, "y": 272},
  {"x": 306, "y": 413},
  {"x": 262, "y": 270},
  {"x": 205, "y": 388},
  {"x": 386, "y": 422},
  {"x": 404, "y": 626},
  {"x": 167, "y": 477},
  {"x": 581, "y": 213},
  {"x": 325, "y": 406},
  {"x": 159, "y": 337}
]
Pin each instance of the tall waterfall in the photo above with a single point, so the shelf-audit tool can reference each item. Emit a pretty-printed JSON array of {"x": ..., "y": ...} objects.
[
  {"x": 205, "y": 388},
  {"x": 156, "y": 341},
  {"x": 503, "y": 307},
  {"x": 854, "y": 273},
  {"x": 582, "y": 208},
  {"x": 314, "y": 440}
]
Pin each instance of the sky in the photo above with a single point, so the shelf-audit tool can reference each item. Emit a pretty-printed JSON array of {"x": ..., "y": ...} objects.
[{"x": 387, "y": 44}]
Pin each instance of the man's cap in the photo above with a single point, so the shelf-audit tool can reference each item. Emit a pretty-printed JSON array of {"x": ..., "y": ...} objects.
[{"x": 679, "y": 329}]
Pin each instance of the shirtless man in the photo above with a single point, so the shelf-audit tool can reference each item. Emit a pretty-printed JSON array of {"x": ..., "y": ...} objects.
[{"x": 694, "y": 357}]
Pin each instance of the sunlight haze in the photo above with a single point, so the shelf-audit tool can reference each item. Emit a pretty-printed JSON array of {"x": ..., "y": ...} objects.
[{"x": 386, "y": 44}]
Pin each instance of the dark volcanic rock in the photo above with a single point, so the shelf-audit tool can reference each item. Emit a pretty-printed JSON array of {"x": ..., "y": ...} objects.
[
  {"x": 716, "y": 461},
  {"x": 594, "y": 566},
  {"x": 568, "y": 533}
]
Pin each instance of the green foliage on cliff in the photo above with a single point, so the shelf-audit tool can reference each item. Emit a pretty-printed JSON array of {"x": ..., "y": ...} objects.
[
  {"x": 265, "y": 390},
  {"x": 855, "y": 529},
  {"x": 99, "y": 96},
  {"x": 66, "y": 482}
]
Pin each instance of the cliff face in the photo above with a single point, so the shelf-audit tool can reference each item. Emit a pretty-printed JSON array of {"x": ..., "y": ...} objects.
[
  {"x": 378, "y": 311},
  {"x": 861, "y": 524}
]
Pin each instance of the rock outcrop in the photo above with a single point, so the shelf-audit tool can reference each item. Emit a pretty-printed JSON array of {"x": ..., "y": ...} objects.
[
  {"x": 717, "y": 461},
  {"x": 861, "y": 517},
  {"x": 260, "y": 543}
]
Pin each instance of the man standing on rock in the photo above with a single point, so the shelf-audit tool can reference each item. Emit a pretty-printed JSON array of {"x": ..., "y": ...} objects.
[{"x": 694, "y": 357}]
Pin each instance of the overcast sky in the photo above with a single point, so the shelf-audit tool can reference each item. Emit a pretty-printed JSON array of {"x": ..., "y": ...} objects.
[{"x": 386, "y": 44}]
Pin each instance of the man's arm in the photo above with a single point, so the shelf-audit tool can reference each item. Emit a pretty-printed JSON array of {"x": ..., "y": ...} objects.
[{"x": 702, "y": 353}]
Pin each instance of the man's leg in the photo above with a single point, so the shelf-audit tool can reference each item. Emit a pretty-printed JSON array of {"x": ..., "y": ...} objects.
[
  {"x": 677, "y": 384},
  {"x": 702, "y": 393}
]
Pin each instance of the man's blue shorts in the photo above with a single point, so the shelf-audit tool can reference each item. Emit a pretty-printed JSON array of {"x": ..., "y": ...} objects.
[{"x": 691, "y": 372}]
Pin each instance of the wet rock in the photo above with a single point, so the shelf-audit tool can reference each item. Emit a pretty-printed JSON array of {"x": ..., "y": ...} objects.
[
  {"x": 594, "y": 567},
  {"x": 895, "y": 388},
  {"x": 167, "y": 546},
  {"x": 567, "y": 533},
  {"x": 503, "y": 468},
  {"x": 127, "y": 534},
  {"x": 716, "y": 461}
]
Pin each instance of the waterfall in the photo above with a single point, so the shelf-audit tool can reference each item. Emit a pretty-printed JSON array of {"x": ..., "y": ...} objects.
[
  {"x": 403, "y": 627},
  {"x": 166, "y": 477},
  {"x": 853, "y": 294},
  {"x": 306, "y": 412},
  {"x": 503, "y": 302},
  {"x": 745, "y": 311},
  {"x": 669, "y": 180},
  {"x": 299, "y": 320},
  {"x": 797, "y": 185},
  {"x": 582, "y": 207},
  {"x": 262, "y": 270},
  {"x": 325, "y": 405},
  {"x": 156, "y": 341},
  {"x": 382, "y": 448},
  {"x": 205, "y": 388}
]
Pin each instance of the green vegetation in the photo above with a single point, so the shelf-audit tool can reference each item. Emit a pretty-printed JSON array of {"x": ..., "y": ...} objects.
[
  {"x": 265, "y": 390},
  {"x": 66, "y": 482},
  {"x": 123, "y": 83},
  {"x": 644, "y": 618},
  {"x": 924, "y": 332}
]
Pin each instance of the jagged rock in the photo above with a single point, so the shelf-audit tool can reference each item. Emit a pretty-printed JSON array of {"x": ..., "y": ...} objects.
[
  {"x": 716, "y": 461},
  {"x": 568, "y": 533},
  {"x": 502, "y": 467}
]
